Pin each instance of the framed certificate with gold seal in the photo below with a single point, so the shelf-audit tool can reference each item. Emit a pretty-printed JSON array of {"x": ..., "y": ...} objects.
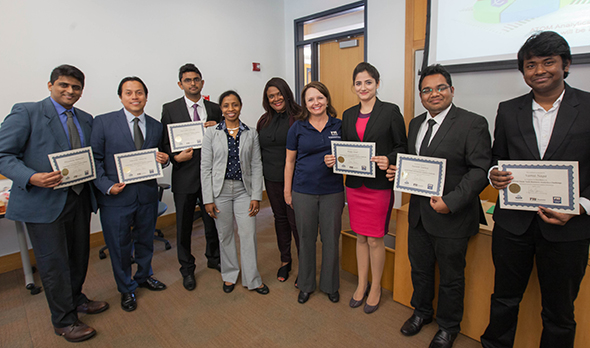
[
  {"x": 551, "y": 184},
  {"x": 136, "y": 166},
  {"x": 76, "y": 166},
  {"x": 186, "y": 135},
  {"x": 354, "y": 158}
]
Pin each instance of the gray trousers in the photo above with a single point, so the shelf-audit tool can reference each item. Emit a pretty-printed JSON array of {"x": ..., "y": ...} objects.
[
  {"x": 324, "y": 211},
  {"x": 234, "y": 202}
]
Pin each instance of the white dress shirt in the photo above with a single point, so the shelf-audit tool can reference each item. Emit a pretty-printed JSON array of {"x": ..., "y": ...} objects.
[
  {"x": 424, "y": 127},
  {"x": 543, "y": 122}
]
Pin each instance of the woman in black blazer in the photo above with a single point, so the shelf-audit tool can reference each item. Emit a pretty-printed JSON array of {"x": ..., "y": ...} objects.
[{"x": 370, "y": 200}]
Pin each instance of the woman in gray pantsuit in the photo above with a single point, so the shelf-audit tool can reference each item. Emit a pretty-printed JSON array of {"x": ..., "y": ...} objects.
[{"x": 231, "y": 175}]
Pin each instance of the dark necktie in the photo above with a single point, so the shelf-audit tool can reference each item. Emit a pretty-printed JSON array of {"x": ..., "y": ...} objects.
[
  {"x": 137, "y": 135},
  {"x": 75, "y": 143},
  {"x": 427, "y": 136},
  {"x": 196, "y": 113}
]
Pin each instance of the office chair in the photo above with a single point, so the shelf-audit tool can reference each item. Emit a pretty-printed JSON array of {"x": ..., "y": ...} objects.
[{"x": 158, "y": 235}]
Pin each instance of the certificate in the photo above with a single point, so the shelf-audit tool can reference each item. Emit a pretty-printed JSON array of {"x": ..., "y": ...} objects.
[
  {"x": 551, "y": 184},
  {"x": 136, "y": 166},
  {"x": 186, "y": 135},
  {"x": 354, "y": 158},
  {"x": 419, "y": 175},
  {"x": 76, "y": 166}
]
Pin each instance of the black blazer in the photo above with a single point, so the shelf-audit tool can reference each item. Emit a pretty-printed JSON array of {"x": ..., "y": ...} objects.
[
  {"x": 387, "y": 129},
  {"x": 464, "y": 140},
  {"x": 515, "y": 139},
  {"x": 186, "y": 176}
]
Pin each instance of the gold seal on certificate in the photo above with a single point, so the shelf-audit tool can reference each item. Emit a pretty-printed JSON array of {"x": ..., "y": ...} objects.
[
  {"x": 136, "y": 166},
  {"x": 76, "y": 166},
  {"x": 186, "y": 135},
  {"x": 419, "y": 175},
  {"x": 551, "y": 184},
  {"x": 354, "y": 158}
]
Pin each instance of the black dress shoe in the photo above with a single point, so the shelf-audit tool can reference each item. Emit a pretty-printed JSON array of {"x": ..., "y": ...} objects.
[
  {"x": 334, "y": 297},
  {"x": 443, "y": 339},
  {"x": 413, "y": 325},
  {"x": 262, "y": 290},
  {"x": 228, "y": 288},
  {"x": 189, "y": 282},
  {"x": 303, "y": 296},
  {"x": 128, "y": 301},
  {"x": 152, "y": 284},
  {"x": 214, "y": 265}
]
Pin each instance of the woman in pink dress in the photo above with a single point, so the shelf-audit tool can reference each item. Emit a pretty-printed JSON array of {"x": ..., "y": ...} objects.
[{"x": 370, "y": 200}]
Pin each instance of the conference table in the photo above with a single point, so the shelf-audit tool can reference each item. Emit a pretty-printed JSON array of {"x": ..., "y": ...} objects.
[{"x": 24, "y": 254}]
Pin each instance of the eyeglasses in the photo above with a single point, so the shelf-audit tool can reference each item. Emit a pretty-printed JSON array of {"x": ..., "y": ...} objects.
[
  {"x": 190, "y": 81},
  {"x": 439, "y": 89}
]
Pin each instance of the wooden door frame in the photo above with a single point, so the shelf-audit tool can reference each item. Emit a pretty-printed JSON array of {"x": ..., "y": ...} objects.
[{"x": 300, "y": 43}]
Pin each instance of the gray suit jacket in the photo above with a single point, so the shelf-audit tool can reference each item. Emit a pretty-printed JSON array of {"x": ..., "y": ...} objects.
[
  {"x": 464, "y": 140},
  {"x": 214, "y": 163}
]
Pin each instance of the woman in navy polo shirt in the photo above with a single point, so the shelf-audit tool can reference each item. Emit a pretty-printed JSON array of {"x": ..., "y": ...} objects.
[{"x": 314, "y": 191}]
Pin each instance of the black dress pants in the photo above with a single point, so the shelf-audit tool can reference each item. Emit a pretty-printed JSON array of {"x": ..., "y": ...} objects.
[
  {"x": 284, "y": 215},
  {"x": 61, "y": 250},
  {"x": 560, "y": 267},
  {"x": 424, "y": 250},
  {"x": 185, "y": 210}
]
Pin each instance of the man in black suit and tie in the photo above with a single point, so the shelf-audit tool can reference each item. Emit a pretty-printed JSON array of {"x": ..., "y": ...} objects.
[
  {"x": 58, "y": 220},
  {"x": 440, "y": 227},
  {"x": 551, "y": 123},
  {"x": 186, "y": 172}
]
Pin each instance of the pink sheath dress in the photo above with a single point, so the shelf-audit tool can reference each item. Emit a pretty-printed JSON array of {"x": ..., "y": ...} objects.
[{"x": 369, "y": 210}]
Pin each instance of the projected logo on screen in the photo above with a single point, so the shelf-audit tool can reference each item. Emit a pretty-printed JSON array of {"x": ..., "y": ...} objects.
[{"x": 504, "y": 11}]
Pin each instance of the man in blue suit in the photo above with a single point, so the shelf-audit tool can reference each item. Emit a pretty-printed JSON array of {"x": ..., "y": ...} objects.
[
  {"x": 58, "y": 221},
  {"x": 122, "y": 206}
]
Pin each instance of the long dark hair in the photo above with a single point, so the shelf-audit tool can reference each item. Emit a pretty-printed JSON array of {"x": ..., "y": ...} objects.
[
  {"x": 291, "y": 107},
  {"x": 304, "y": 115}
]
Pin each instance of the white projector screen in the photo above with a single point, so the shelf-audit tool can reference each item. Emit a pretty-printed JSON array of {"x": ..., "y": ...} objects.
[{"x": 469, "y": 35}]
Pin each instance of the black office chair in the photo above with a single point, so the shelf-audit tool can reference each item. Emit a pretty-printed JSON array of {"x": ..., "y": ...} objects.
[{"x": 158, "y": 235}]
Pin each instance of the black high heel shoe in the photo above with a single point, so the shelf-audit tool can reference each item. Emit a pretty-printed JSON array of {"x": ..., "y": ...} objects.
[
  {"x": 354, "y": 303},
  {"x": 284, "y": 272}
]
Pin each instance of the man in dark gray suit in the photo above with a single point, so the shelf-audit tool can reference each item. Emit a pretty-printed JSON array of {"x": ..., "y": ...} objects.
[
  {"x": 58, "y": 220},
  {"x": 440, "y": 227},
  {"x": 186, "y": 172}
]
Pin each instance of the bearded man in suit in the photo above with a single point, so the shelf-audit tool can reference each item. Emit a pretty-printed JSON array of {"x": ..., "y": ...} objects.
[{"x": 186, "y": 172}]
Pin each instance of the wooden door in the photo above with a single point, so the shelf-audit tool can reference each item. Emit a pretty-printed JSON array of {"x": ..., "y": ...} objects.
[{"x": 336, "y": 67}]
